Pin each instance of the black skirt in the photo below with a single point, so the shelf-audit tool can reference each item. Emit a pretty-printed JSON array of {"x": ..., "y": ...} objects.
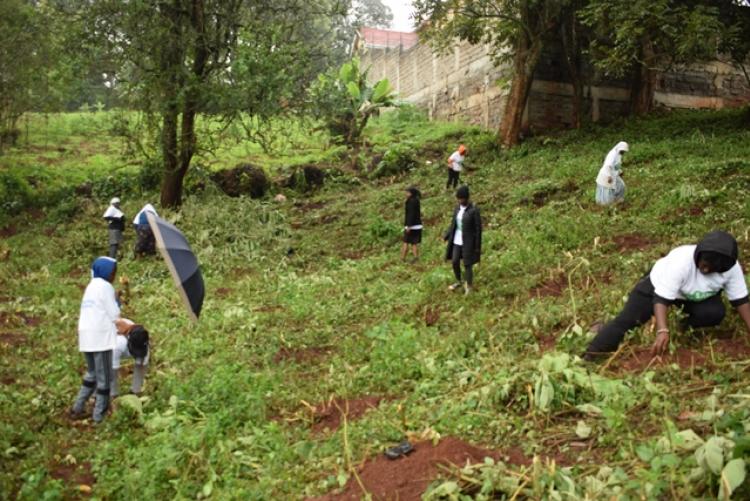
[{"x": 413, "y": 236}]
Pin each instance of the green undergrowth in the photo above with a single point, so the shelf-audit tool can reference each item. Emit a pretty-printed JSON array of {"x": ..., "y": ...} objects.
[{"x": 307, "y": 299}]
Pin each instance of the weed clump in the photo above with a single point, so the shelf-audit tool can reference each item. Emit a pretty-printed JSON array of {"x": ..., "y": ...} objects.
[{"x": 245, "y": 179}]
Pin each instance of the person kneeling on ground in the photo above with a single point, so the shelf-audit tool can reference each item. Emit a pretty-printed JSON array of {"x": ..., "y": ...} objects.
[
  {"x": 690, "y": 277},
  {"x": 96, "y": 337},
  {"x": 464, "y": 238},
  {"x": 132, "y": 342}
]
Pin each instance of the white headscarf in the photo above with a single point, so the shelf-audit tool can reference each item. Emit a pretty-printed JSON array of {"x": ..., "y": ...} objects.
[
  {"x": 610, "y": 168},
  {"x": 146, "y": 208}
]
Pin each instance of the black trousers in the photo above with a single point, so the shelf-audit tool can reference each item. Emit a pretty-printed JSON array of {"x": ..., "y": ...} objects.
[
  {"x": 456, "y": 261},
  {"x": 452, "y": 178},
  {"x": 640, "y": 307}
]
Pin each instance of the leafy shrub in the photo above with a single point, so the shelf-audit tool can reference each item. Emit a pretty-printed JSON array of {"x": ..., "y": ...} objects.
[
  {"x": 15, "y": 192},
  {"x": 398, "y": 159},
  {"x": 149, "y": 176},
  {"x": 380, "y": 231},
  {"x": 245, "y": 179}
]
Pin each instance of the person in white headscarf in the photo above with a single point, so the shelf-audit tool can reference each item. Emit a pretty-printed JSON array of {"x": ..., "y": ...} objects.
[
  {"x": 610, "y": 188},
  {"x": 144, "y": 242},
  {"x": 116, "y": 219}
]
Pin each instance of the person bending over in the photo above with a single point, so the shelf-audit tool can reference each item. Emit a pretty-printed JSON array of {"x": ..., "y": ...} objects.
[{"x": 690, "y": 277}]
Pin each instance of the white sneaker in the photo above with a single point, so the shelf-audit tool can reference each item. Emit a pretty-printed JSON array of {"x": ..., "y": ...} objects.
[
  {"x": 455, "y": 286},
  {"x": 467, "y": 289}
]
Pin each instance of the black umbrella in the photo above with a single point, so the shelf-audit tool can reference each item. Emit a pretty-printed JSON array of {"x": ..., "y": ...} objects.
[{"x": 181, "y": 261}]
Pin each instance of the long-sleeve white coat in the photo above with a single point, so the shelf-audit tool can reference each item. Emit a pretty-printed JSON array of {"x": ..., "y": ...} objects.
[{"x": 612, "y": 165}]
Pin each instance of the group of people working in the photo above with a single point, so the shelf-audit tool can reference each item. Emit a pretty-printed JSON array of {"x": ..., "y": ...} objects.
[
  {"x": 104, "y": 338},
  {"x": 690, "y": 277}
]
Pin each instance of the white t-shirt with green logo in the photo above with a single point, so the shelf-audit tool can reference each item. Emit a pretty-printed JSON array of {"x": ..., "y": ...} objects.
[{"x": 675, "y": 276}]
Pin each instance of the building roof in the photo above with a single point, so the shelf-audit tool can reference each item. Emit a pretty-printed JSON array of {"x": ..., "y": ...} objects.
[{"x": 374, "y": 38}]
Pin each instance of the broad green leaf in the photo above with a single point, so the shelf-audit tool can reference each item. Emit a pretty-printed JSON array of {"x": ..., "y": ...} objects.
[
  {"x": 687, "y": 440},
  {"x": 714, "y": 455},
  {"x": 583, "y": 430},
  {"x": 381, "y": 90},
  {"x": 732, "y": 477},
  {"x": 589, "y": 409},
  {"x": 644, "y": 452},
  {"x": 353, "y": 89}
]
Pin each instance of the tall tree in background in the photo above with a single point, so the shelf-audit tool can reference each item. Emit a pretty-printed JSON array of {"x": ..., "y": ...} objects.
[
  {"x": 735, "y": 40},
  {"x": 639, "y": 37},
  {"x": 181, "y": 58},
  {"x": 515, "y": 30},
  {"x": 359, "y": 13},
  {"x": 31, "y": 72}
]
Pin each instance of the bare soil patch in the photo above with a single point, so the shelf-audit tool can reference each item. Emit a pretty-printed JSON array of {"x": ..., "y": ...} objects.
[
  {"x": 553, "y": 286},
  {"x": 12, "y": 339},
  {"x": 306, "y": 206},
  {"x": 431, "y": 315},
  {"x": 75, "y": 475},
  {"x": 8, "y": 231},
  {"x": 329, "y": 415},
  {"x": 640, "y": 359},
  {"x": 353, "y": 255},
  {"x": 407, "y": 478},
  {"x": 632, "y": 241},
  {"x": 300, "y": 355},
  {"x": 223, "y": 292}
]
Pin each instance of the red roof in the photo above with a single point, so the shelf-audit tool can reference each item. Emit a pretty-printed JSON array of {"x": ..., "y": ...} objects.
[{"x": 380, "y": 39}]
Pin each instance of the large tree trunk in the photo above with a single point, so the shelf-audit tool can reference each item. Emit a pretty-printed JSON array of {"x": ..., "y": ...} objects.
[
  {"x": 569, "y": 31},
  {"x": 171, "y": 60},
  {"x": 644, "y": 82},
  {"x": 171, "y": 193},
  {"x": 524, "y": 63}
]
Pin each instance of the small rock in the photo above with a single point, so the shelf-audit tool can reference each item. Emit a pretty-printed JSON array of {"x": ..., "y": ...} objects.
[{"x": 280, "y": 198}]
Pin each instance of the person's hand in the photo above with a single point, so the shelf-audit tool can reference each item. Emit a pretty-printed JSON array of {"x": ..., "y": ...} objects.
[
  {"x": 661, "y": 343},
  {"x": 123, "y": 325},
  {"x": 408, "y": 230},
  {"x": 609, "y": 180}
]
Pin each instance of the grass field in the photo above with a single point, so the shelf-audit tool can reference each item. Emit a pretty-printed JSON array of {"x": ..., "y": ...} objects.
[{"x": 317, "y": 347}]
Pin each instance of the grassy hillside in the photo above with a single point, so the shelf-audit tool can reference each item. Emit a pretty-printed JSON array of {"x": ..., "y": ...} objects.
[{"x": 311, "y": 314}]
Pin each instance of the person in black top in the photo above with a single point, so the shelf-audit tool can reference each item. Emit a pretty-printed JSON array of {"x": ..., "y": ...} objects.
[
  {"x": 464, "y": 239},
  {"x": 412, "y": 223},
  {"x": 116, "y": 219}
]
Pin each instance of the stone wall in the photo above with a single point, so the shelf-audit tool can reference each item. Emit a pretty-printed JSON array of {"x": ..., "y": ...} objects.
[{"x": 467, "y": 85}]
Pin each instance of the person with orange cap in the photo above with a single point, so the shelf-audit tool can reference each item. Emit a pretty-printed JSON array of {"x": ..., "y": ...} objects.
[{"x": 455, "y": 165}]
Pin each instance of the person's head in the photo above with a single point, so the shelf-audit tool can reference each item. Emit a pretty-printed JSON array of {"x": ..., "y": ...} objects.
[
  {"x": 138, "y": 341},
  {"x": 622, "y": 147},
  {"x": 115, "y": 201},
  {"x": 412, "y": 192},
  {"x": 717, "y": 252},
  {"x": 462, "y": 149},
  {"x": 462, "y": 195},
  {"x": 104, "y": 267}
]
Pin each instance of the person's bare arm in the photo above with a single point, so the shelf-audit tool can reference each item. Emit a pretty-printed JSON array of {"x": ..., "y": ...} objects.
[
  {"x": 662, "y": 331},
  {"x": 744, "y": 312}
]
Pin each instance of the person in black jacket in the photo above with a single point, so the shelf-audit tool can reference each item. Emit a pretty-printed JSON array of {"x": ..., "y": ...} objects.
[
  {"x": 464, "y": 239},
  {"x": 412, "y": 223}
]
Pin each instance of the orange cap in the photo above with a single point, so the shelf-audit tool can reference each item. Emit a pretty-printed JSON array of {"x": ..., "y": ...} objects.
[{"x": 462, "y": 149}]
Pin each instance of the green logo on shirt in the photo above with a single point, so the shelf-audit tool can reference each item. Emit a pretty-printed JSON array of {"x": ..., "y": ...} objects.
[{"x": 698, "y": 296}]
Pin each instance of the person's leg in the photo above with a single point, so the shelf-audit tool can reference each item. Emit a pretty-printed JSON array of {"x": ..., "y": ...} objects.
[
  {"x": 87, "y": 386},
  {"x": 415, "y": 251},
  {"x": 637, "y": 311},
  {"x": 469, "y": 274},
  {"x": 139, "y": 376},
  {"x": 404, "y": 248},
  {"x": 708, "y": 313},
  {"x": 103, "y": 370},
  {"x": 450, "y": 179},
  {"x": 113, "y": 251},
  {"x": 114, "y": 384},
  {"x": 456, "y": 262}
]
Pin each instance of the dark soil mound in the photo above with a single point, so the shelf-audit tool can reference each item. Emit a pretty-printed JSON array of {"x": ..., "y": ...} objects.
[
  {"x": 329, "y": 415},
  {"x": 407, "y": 478},
  {"x": 633, "y": 241},
  {"x": 245, "y": 179},
  {"x": 301, "y": 354},
  {"x": 554, "y": 286},
  {"x": 305, "y": 178}
]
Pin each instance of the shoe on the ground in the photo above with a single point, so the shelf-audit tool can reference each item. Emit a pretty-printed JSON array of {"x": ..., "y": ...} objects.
[
  {"x": 399, "y": 450},
  {"x": 455, "y": 286},
  {"x": 467, "y": 289},
  {"x": 76, "y": 415}
]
